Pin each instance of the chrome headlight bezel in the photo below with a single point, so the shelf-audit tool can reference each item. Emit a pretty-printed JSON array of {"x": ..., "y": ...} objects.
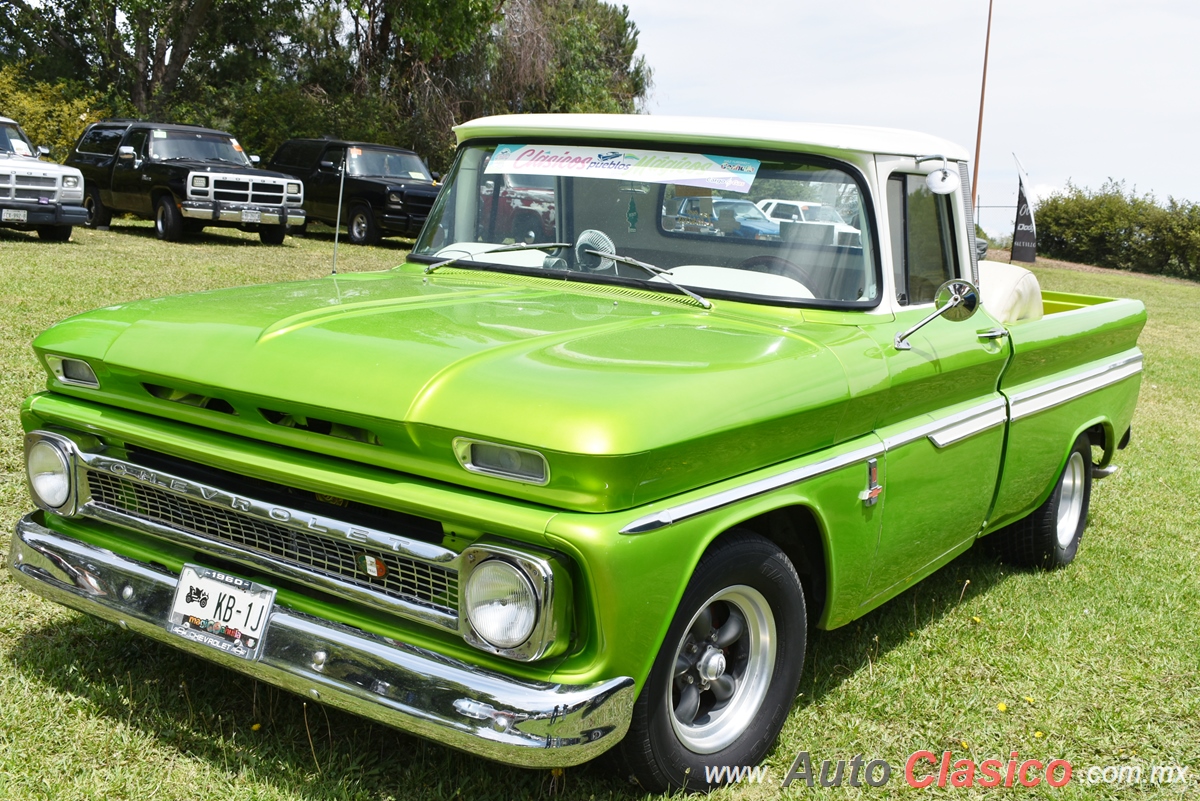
[
  {"x": 67, "y": 453},
  {"x": 550, "y": 584},
  {"x": 70, "y": 181},
  {"x": 60, "y": 365}
]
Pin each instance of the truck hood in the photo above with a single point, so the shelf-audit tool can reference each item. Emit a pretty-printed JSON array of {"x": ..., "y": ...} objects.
[
  {"x": 198, "y": 165},
  {"x": 631, "y": 395}
]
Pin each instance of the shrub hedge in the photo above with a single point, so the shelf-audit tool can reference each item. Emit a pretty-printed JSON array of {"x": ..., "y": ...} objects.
[{"x": 1113, "y": 227}]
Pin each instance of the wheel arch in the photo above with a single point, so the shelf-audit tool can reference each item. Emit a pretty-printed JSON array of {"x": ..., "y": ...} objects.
[
  {"x": 798, "y": 531},
  {"x": 1100, "y": 425}
]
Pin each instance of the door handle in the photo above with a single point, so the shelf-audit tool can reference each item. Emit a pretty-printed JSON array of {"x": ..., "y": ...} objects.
[
  {"x": 147, "y": 178},
  {"x": 993, "y": 333}
]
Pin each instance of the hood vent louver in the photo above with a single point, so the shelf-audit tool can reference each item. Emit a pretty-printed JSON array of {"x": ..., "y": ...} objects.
[
  {"x": 319, "y": 426},
  {"x": 190, "y": 398}
]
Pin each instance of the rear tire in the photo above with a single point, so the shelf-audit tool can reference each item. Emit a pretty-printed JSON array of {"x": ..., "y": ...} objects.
[
  {"x": 168, "y": 222},
  {"x": 272, "y": 234},
  {"x": 98, "y": 215},
  {"x": 54, "y": 233},
  {"x": 1049, "y": 537},
  {"x": 726, "y": 675}
]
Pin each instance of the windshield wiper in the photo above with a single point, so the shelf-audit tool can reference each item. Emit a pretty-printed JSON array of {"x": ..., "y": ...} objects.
[
  {"x": 650, "y": 268},
  {"x": 500, "y": 249}
]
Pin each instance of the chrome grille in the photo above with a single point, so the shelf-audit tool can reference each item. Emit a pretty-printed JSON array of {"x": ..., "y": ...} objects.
[
  {"x": 28, "y": 187},
  {"x": 406, "y": 579},
  {"x": 269, "y": 192}
]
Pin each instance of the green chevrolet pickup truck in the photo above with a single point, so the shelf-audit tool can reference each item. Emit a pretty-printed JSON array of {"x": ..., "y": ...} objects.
[{"x": 544, "y": 497}]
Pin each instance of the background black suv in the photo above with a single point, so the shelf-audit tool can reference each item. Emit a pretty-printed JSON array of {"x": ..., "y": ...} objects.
[
  {"x": 183, "y": 177},
  {"x": 389, "y": 190}
]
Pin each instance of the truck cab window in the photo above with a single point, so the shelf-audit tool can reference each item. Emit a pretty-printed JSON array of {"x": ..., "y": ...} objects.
[{"x": 921, "y": 225}]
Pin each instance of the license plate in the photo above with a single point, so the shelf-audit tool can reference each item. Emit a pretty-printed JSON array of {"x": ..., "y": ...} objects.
[
  {"x": 249, "y": 215},
  {"x": 225, "y": 612},
  {"x": 15, "y": 215}
]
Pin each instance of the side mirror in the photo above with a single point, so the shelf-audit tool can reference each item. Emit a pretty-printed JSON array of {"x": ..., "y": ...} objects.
[
  {"x": 125, "y": 152},
  {"x": 437, "y": 176},
  {"x": 255, "y": 159},
  {"x": 956, "y": 300},
  {"x": 42, "y": 150},
  {"x": 328, "y": 165},
  {"x": 942, "y": 182}
]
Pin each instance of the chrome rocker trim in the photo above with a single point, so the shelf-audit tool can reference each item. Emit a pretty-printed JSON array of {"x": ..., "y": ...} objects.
[{"x": 525, "y": 723}]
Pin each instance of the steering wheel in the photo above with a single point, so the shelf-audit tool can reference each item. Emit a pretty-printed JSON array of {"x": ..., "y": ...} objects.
[{"x": 777, "y": 265}]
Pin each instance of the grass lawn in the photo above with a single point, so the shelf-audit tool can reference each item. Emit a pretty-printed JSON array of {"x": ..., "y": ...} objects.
[{"x": 1098, "y": 664}]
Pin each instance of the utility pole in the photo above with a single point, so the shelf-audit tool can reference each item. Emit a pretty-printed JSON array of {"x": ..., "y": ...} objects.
[{"x": 987, "y": 43}]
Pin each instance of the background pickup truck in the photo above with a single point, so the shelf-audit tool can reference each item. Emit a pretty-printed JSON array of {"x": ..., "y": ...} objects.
[
  {"x": 34, "y": 194},
  {"x": 183, "y": 177},
  {"x": 387, "y": 191},
  {"x": 537, "y": 501}
]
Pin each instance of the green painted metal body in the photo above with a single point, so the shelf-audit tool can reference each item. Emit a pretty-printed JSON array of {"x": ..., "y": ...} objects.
[
  {"x": 761, "y": 401},
  {"x": 641, "y": 402}
]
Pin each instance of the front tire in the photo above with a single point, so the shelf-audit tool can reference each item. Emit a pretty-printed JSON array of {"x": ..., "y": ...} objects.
[
  {"x": 726, "y": 675},
  {"x": 168, "y": 222},
  {"x": 362, "y": 227},
  {"x": 272, "y": 234},
  {"x": 54, "y": 233},
  {"x": 1049, "y": 537}
]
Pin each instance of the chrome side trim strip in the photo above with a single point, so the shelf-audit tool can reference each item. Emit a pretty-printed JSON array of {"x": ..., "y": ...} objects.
[
  {"x": 974, "y": 421},
  {"x": 942, "y": 433},
  {"x": 1056, "y": 393},
  {"x": 528, "y": 723},
  {"x": 954, "y": 427},
  {"x": 683, "y": 511}
]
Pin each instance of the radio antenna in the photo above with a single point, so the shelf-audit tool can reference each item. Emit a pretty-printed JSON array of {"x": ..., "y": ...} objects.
[{"x": 341, "y": 189}]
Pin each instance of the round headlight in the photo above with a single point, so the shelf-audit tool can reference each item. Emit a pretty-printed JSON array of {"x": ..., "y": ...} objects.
[
  {"x": 49, "y": 474},
  {"x": 501, "y": 604}
]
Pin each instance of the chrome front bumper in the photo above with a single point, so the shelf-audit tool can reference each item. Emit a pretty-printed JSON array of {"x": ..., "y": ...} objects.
[
  {"x": 214, "y": 211},
  {"x": 527, "y": 723}
]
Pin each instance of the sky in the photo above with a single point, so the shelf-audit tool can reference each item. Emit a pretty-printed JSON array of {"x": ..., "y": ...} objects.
[{"x": 1079, "y": 90}]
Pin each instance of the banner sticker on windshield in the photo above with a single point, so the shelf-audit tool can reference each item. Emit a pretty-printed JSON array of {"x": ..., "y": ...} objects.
[{"x": 650, "y": 166}]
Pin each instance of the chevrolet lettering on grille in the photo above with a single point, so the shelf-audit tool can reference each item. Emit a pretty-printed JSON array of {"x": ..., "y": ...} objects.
[{"x": 279, "y": 514}]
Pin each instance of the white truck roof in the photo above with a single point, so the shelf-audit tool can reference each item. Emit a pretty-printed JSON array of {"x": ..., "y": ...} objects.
[{"x": 715, "y": 130}]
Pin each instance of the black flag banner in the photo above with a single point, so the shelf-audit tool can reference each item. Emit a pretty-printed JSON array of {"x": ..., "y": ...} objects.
[{"x": 1024, "y": 246}]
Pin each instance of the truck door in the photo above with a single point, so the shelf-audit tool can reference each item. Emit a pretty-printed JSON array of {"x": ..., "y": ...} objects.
[
  {"x": 130, "y": 184},
  {"x": 942, "y": 419},
  {"x": 321, "y": 190}
]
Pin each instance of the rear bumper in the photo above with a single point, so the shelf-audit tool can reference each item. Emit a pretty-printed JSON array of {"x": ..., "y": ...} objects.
[
  {"x": 47, "y": 214},
  {"x": 216, "y": 212},
  {"x": 527, "y": 723}
]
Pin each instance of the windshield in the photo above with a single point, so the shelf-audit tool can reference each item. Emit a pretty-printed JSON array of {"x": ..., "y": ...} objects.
[
  {"x": 13, "y": 141},
  {"x": 385, "y": 163},
  {"x": 692, "y": 213},
  {"x": 200, "y": 146}
]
